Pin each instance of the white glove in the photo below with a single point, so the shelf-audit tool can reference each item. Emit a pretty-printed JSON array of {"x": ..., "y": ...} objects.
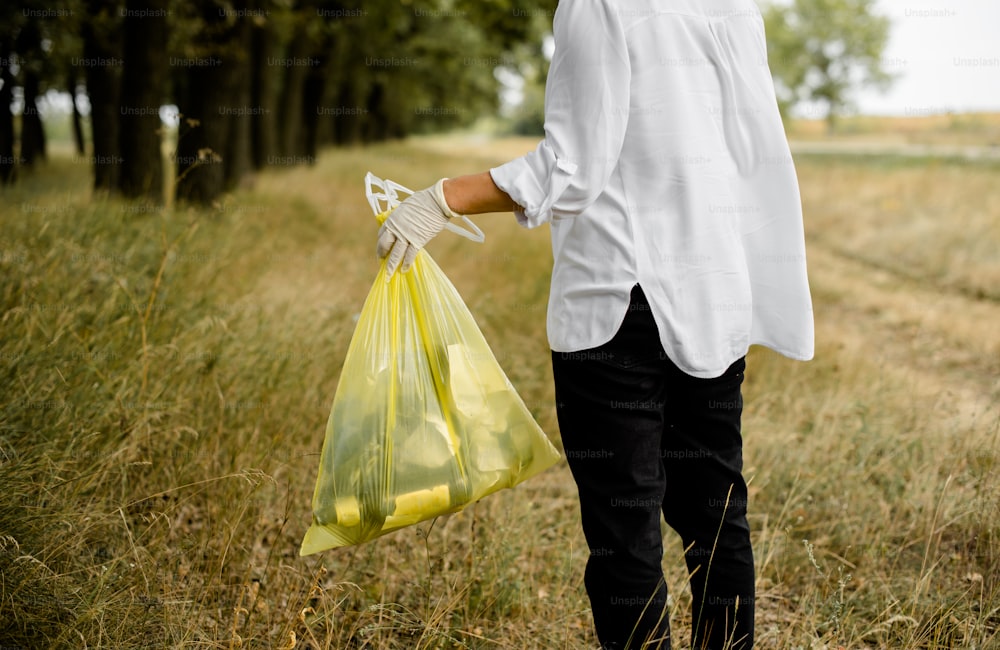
[{"x": 411, "y": 225}]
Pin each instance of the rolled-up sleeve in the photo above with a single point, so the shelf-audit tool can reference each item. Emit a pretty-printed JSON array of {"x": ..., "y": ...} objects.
[{"x": 586, "y": 114}]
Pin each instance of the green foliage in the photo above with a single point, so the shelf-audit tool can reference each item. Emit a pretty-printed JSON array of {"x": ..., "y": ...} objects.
[
  {"x": 429, "y": 64},
  {"x": 528, "y": 62},
  {"x": 324, "y": 71},
  {"x": 45, "y": 35},
  {"x": 822, "y": 50}
]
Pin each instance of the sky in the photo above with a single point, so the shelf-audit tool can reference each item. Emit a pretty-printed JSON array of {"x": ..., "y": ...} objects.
[{"x": 946, "y": 54}]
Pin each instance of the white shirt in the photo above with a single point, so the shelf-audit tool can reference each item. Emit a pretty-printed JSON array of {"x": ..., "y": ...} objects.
[{"x": 665, "y": 164}]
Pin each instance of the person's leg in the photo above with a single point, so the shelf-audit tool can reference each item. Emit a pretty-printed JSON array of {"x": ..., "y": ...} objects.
[
  {"x": 706, "y": 503},
  {"x": 610, "y": 408}
]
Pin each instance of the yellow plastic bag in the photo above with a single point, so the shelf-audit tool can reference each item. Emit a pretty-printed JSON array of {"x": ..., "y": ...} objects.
[{"x": 424, "y": 421}]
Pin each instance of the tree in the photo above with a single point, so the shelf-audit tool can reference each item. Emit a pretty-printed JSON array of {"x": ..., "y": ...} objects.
[
  {"x": 7, "y": 162},
  {"x": 823, "y": 50},
  {"x": 265, "y": 45},
  {"x": 37, "y": 39},
  {"x": 73, "y": 86},
  {"x": 32, "y": 60},
  {"x": 297, "y": 64},
  {"x": 102, "y": 57},
  {"x": 212, "y": 87},
  {"x": 144, "y": 74},
  {"x": 258, "y": 82}
]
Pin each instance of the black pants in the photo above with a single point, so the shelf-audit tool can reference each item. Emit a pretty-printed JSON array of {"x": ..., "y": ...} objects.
[{"x": 642, "y": 437}]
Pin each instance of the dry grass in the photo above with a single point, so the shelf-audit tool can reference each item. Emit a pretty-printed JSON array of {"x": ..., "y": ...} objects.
[{"x": 167, "y": 379}]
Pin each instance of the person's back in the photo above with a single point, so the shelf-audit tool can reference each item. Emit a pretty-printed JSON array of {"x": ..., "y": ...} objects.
[{"x": 682, "y": 182}]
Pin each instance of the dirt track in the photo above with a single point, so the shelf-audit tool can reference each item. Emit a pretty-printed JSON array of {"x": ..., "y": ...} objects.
[
  {"x": 911, "y": 326},
  {"x": 858, "y": 148}
]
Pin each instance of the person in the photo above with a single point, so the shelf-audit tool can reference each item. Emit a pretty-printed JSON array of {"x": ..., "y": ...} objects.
[{"x": 677, "y": 241}]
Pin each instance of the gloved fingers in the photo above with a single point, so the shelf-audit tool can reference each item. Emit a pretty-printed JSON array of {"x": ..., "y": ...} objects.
[
  {"x": 396, "y": 256},
  {"x": 386, "y": 238},
  {"x": 411, "y": 254}
]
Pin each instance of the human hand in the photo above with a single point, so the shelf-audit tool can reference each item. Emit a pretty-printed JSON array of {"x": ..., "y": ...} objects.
[{"x": 411, "y": 225}]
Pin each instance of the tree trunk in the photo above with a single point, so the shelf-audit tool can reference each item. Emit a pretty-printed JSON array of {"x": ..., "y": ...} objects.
[
  {"x": 102, "y": 57},
  {"x": 264, "y": 121},
  {"x": 71, "y": 85},
  {"x": 377, "y": 126},
  {"x": 144, "y": 72},
  {"x": 32, "y": 131},
  {"x": 292, "y": 94},
  {"x": 7, "y": 161},
  {"x": 203, "y": 137},
  {"x": 312, "y": 103},
  {"x": 30, "y": 59},
  {"x": 237, "y": 160},
  {"x": 216, "y": 91},
  {"x": 350, "y": 128},
  {"x": 832, "y": 115}
]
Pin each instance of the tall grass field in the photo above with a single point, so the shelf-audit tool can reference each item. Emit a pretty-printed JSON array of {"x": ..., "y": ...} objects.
[{"x": 167, "y": 375}]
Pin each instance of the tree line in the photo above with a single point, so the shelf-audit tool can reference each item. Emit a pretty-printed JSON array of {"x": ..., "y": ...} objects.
[{"x": 257, "y": 83}]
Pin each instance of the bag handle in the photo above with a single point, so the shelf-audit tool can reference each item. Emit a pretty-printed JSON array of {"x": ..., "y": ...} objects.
[{"x": 378, "y": 191}]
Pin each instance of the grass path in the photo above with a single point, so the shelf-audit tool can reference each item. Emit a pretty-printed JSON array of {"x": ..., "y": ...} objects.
[
  {"x": 935, "y": 336},
  {"x": 926, "y": 341}
]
